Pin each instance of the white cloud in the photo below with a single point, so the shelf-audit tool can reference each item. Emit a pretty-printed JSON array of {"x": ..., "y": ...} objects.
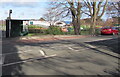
[
  {"x": 24, "y": 0},
  {"x": 46, "y": 0},
  {"x": 17, "y": 0},
  {"x": 21, "y": 3},
  {"x": 18, "y": 4},
  {"x": 22, "y": 10}
]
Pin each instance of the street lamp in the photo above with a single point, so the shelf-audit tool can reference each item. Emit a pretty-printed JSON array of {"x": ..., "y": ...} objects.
[{"x": 10, "y": 11}]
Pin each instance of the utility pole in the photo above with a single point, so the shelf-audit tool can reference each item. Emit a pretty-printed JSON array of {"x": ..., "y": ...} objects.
[{"x": 10, "y": 11}]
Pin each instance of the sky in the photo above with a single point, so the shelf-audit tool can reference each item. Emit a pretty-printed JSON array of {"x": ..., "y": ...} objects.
[{"x": 25, "y": 9}]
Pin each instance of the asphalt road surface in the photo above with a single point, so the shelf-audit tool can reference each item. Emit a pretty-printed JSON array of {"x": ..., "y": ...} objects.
[{"x": 98, "y": 55}]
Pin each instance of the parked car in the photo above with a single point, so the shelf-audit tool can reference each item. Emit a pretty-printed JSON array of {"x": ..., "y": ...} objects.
[{"x": 110, "y": 30}]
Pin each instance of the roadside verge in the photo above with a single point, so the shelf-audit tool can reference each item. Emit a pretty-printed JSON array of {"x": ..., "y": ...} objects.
[{"x": 49, "y": 37}]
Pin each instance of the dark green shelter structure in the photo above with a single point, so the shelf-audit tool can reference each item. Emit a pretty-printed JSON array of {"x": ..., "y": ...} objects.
[{"x": 14, "y": 27}]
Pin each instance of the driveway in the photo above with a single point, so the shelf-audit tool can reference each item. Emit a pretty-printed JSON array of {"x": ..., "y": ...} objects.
[{"x": 96, "y": 55}]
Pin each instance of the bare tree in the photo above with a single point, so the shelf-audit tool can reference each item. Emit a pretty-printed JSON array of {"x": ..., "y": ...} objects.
[
  {"x": 75, "y": 9},
  {"x": 67, "y": 8},
  {"x": 113, "y": 10},
  {"x": 95, "y": 10},
  {"x": 116, "y": 5},
  {"x": 51, "y": 16}
]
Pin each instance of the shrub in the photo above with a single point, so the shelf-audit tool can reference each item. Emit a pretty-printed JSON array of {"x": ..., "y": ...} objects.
[
  {"x": 55, "y": 30},
  {"x": 97, "y": 31},
  {"x": 35, "y": 29},
  {"x": 85, "y": 27},
  {"x": 34, "y": 26},
  {"x": 84, "y": 32}
]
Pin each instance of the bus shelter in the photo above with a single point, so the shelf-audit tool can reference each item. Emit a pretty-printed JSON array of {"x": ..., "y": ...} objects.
[{"x": 16, "y": 27}]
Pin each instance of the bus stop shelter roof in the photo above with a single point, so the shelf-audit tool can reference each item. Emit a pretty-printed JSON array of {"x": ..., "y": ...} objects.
[{"x": 19, "y": 19}]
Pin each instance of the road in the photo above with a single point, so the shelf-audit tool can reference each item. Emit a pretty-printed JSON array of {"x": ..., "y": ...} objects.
[{"x": 96, "y": 55}]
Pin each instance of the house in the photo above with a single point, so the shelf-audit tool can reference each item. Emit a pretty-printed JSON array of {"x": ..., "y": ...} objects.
[
  {"x": 60, "y": 23},
  {"x": 45, "y": 24}
]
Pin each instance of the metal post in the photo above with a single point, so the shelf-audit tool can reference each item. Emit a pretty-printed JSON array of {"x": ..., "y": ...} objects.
[
  {"x": 9, "y": 27},
  {"x": 10, "y": 22}
]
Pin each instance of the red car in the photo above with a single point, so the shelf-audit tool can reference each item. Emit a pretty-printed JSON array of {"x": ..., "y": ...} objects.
[{"x": 110, "y": 30}]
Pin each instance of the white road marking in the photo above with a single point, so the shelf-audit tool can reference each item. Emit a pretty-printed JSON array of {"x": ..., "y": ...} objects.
[
  {"x": 82, "y": 49},
  {"x": 77, "y": 50},
  {"x": 15, "y": 52},
  {"x": 104, "y": 50},
  {"x": 70, "y": 48},
  {"x": 43, "y": 52},
  {"x": 2, "y": 58},
  {"x": 27, "y": 60},
  {"x": 99, "y": 39},
  {"x": 91, "y": 46}
]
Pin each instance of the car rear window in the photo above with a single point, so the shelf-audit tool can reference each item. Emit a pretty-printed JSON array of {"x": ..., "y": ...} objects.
[
  {"x": 106, "y": 28},
  {"x": 114, "y": 28}
]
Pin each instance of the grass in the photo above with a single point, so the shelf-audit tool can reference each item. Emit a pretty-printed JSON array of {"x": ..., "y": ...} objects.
[
  {"x": 85, "y": 32},
  {"x": 35, "y": 34}
]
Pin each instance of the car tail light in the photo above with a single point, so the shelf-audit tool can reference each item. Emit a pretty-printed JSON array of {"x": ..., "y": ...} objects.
[{"x": 109, "y": 29}]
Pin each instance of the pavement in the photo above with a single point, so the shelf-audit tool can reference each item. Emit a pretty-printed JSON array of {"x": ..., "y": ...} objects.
[{"x": 61, "y": 55}]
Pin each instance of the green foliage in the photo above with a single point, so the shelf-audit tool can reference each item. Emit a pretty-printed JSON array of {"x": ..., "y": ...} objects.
[
  {"x": 31, "y": 34},
  {"x": 35, "y": 29},
  {"x": 55, "y": 30},
  {"x": 34, "y": 26},
  {"x": 70, "y": 29},
  {"x": 34, "y": 34},
  {"x": 85, "y": 27},
  {"x": 84, "y": 32},
  {"x": 97, "y": 26},
  {"x": 23, "y": 33},
  {"x": 97, "y": 31}
]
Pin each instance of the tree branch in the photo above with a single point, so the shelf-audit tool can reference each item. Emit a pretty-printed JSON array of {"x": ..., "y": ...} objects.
[
  {"x": 104, "y": 8},
  {"x": 66, "y": 14},
  {"x": 99, "y": 6},
  {"x": 89, "y": 7},
  {"x": 86, "y": 13},
  {"x": 115, "y": 6}
]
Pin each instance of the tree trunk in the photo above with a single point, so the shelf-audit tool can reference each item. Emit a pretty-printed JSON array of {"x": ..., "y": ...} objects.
[
  {"x": 76, "y": 25},
  {"x": 75, "y": 17},
  {"x": 92, "y": 28},
  {"x": 119, "y": 12},
  {"x": 94, "y": 17}
]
